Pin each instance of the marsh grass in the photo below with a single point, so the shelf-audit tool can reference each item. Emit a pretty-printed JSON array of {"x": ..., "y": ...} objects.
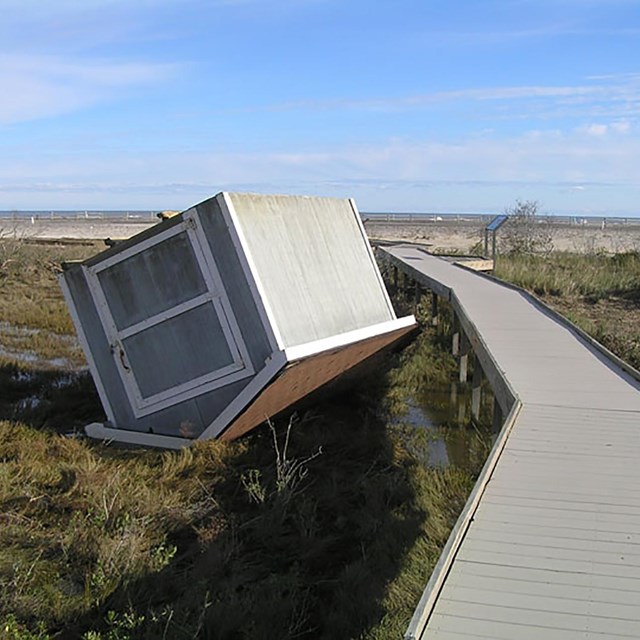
[
  {"x": 29, "y": 291},
  {"x": 594, "y": 277},
  {"x": 178, "y": 542},
  {"x": 222, "y": 540}
]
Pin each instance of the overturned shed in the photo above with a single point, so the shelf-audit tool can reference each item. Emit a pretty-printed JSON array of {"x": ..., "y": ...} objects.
[{"x": 222, "y": 316}]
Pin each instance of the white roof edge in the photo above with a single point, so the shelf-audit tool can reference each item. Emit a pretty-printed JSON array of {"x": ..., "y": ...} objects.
[
  {"x": 249, "y": 267},
  {"x": 99, "y": 431},
  {"x": 272, "y": 367},
  {"x": 372, "y": 257},
  {"x": 357, "y": 335}
]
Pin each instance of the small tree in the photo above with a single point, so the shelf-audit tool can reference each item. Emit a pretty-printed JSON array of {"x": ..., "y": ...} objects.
[{"x": 526, "y": 232}]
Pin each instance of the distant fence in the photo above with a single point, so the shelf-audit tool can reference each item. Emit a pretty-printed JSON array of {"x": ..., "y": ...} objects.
[
  {"x": 398, "y": 217},
  {"x": 139, "y": 216},
  {"x": 485, "y": 218}
]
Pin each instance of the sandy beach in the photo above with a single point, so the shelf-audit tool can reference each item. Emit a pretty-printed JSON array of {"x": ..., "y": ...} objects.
[
  {"x": 467, "y": 236},
  {"x": 73, "y": 228},
  {"x": 460, "y": 236}
]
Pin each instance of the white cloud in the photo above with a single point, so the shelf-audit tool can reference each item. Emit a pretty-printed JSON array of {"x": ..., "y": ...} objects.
[
  {"x": 472, "y": 174},
  {"x": 600, "y": 129},
  {"x": 613, "y": 97},
  {"x": 596, "y": 130},
  {"x": 621, "y": 127},
  {"x": 42, "y": 86}
]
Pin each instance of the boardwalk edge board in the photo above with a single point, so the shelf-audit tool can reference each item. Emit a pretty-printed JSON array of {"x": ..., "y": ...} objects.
[{"x": 448, "y": 555}]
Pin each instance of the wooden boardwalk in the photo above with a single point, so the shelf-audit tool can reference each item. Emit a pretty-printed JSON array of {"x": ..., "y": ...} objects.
[{"x": 548, "y": 545}]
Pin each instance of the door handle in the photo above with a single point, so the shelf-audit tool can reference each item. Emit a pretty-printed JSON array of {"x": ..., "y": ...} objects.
[{"x": 117, "y": 348}]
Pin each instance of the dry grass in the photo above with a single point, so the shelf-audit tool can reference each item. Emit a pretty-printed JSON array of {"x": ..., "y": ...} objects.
[{"x": 34, "y": 320}]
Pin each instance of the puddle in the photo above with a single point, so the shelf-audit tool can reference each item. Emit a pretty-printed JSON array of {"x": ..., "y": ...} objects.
[
  {"x": 33, "y": 359},
  {"x": 451, "y": 437},
  {"x": 15, "y": 337},
  {"x": 65, "y": 380},
  {"x": 23, "y": 377}
]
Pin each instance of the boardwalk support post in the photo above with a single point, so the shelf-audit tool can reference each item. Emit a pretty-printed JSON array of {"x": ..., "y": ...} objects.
[
  {"x": 407, "y": 287},
  {"x": 476, "y": 389},
  {"x": 464, "y": 358},
  {"x": 455, "y": 340},
  {"x": 417, "y": 293}
]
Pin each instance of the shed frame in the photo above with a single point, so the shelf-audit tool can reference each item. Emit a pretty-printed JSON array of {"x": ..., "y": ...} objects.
[{"x": 212, "y": 333}]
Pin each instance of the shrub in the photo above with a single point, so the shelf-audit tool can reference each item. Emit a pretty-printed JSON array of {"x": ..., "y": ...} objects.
[{"x": 526, "y": 232}]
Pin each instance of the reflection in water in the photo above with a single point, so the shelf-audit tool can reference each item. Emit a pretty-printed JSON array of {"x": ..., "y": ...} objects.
[
  {"x": 428, "y": 405},
  {"x": 449, "y": 435}
]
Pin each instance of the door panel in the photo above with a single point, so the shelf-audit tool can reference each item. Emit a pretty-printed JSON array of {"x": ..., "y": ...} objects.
[
  {"x": 148, "y": 283},
  {"x": 181, "y": 349},
  {"x": 172, "y": 331}
]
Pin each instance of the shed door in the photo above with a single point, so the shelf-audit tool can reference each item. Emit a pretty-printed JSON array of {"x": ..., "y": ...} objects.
[{"x": 170, "y": 326}]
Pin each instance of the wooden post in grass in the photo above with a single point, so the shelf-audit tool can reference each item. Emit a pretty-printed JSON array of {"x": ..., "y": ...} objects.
[
  {"x": 465, "y": 347},
  {"x": 434, "y": 309},
  {"x": 455, "y": 340},
  {"x": 476, "y": 388}
]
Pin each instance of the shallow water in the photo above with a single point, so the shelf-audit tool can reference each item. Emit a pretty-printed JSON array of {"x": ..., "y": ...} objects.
[
  {"x": 13, "y": 336},
  {"x": 444, "y": 413}
]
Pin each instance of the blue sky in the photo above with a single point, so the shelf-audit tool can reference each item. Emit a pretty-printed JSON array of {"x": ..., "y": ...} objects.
[{"x": 406, "y": 105}]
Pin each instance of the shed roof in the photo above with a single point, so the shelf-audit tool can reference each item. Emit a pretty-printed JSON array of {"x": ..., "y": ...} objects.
[{"x": 313, "y": 264}]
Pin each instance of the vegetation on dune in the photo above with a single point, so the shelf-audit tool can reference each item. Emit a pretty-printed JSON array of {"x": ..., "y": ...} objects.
[
  {"x": 570, "y": 275},
  {"x": 526, "y": 232}
]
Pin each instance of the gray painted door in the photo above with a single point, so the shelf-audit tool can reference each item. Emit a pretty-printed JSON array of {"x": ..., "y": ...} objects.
[{"x": 170, "y": 325}]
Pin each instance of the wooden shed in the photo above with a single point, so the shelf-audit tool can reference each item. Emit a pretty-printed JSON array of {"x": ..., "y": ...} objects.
[{"x": 224, "y": 315}]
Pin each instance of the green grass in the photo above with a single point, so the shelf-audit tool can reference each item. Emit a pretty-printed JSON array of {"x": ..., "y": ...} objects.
[
  {"x": 571, "y": 274},
  {"x": 220, "y": 540}
]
